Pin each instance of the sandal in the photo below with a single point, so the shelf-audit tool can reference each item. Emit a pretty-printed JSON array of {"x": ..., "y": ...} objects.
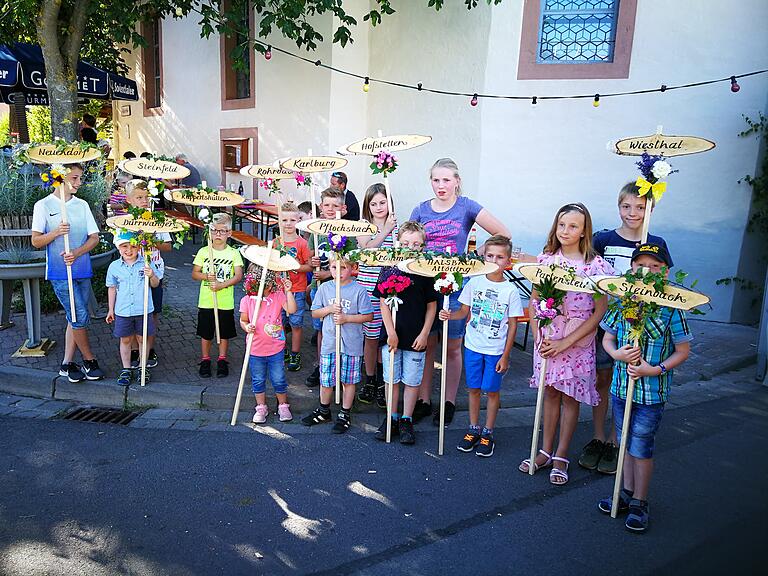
[
  {"x": 525, "y": 465},
  {"x": 556, "y": 476}
]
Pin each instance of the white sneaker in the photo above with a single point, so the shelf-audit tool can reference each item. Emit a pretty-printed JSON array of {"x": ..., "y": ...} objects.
[
  {"x": 260, "y": 414},
  {"x": 284, "y": 412}
]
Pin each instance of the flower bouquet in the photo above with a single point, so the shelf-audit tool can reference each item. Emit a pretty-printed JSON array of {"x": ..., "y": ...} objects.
[
  {"x": 302, "y": 179},
  {"x": 392, "y": 286},
  {"x": 446, "y": 283},
  {"x": 340, "y": 244},
  {"x": 653, "y": 170},
  {"x": 54, "y": 176},
  {"x": 384, "y": 163},
  {"x": 271, "y": 185},
  {"x": 550, "y": 302}
]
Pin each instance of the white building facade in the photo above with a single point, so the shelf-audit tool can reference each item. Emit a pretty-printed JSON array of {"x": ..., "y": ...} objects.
[{"x": 521, "y": 161}]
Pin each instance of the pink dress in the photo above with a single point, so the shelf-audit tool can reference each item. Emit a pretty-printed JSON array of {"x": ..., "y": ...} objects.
[{"x": 573, "y": 372}]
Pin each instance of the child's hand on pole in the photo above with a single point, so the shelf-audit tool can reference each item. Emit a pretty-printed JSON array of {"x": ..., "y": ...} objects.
[
  {"x": 62, "y": 229},
  {"x": 392, "y": 342},
  {"x": 389, "y": 224},
  {"x": 148, "y": 272},
  {"x": 628, "y": 354},
  {"x": 641, "y": 369},
  {"x": 287, "y": 285},
  {"x": 69, "y": 258},
  {"x": 250, "y": 328},
  {"x": 550, "y": 348},
  {"x": 444, "y": 315},
  {"x": 335, "y": 309},
  {"x": 339, "y": 318}
]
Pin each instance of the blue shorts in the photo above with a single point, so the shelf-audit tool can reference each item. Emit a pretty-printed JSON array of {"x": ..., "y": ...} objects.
[
  {"x": 480, "y": 371},
  {"x": 409, "y": 366},
  {"x": 297, "y": 318},
  {"x": 643, "y": 425},
  {"x": 82, "y": 292},
  {"x": 133, "y": 326},
  {"x": 317, "y": 323},
  {"x": 350, "y": 369},
  {"x": 157, "y": 297},
  {"x": 456, "y": 328},
  {"x": 274, "y": 366},
  {"x": 603, "y": 360}
]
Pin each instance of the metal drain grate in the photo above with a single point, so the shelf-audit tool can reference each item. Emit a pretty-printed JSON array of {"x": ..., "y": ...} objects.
[{"x": 102, "y": 415}]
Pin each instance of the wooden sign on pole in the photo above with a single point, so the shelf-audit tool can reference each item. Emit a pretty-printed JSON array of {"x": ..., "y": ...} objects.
[
  {"x": 264, "y": 171},
  {"x": 210, "y": 198},
  {"x": 564, "y": 279},
  {"x": 341, "y": 227},
  {"x": 314, "y": 163},
  {"x": 158, "y": 169},
  {"x": 54, "y": 154},
  {"x": 151, "y": 225},
  {"x": 372, "y": 146},
  {"x": 659, "y": 144}
]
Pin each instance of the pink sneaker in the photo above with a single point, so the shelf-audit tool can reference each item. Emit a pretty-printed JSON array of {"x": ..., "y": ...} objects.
[
  {"x": 260, "y": 415},
  {"x": 284, "y": 413}
]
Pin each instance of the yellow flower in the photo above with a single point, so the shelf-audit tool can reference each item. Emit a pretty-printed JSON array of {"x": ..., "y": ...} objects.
[
  {"x": 147, "y": 215},
  {"x": 44, "y": 177}
]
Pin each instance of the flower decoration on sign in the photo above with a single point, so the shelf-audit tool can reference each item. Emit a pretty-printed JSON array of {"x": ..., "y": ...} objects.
[
  {"x": 271, "y": 185},
  {"x": 155, "y": 188},
  {"x": 391, "y": 287},
  {"x": 253, "y": 278},
  {"x": 550, "y": 302},
  {"x": 54, "y": 176},
  {"x": 339, "y": 243},
  {"x": 204, "y": 215},
  {"x": 160, "y": 217},
  {"x": 446, "y": 283},
  {"x": 653, "y": 170},
  {"x": 384, "y": 163},
  {"x": 302, "y": 179}
]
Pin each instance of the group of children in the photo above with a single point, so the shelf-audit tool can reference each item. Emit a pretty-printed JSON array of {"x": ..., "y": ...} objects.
[{"x": 576, "y": 372}]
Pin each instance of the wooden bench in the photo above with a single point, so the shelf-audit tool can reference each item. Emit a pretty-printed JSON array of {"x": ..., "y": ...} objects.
[{"x": 237, "y": 235}]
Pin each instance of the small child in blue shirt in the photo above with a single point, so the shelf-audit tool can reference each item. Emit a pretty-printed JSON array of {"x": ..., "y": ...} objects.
[
  {"x": 665, "y": 344},
  {"x": 125, "y": 283}
]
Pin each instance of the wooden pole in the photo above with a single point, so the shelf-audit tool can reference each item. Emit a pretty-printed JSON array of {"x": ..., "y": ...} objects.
[
  {"x": 623, "y": 444},
  {"x": 144, "y": 325},
  {"x": 443, "y": 372},
  {"x": 391, "y": 383},
  {"x": 249, "y": 340},
  {"x": 65, "y": 220},
  {"x": 212, "y": 267},
  {"x": 647, "y": 216},
  {"x": 338, "y": 328},
  {"x": 316, "y": 212},
  {"x": 537, "y": 414}
]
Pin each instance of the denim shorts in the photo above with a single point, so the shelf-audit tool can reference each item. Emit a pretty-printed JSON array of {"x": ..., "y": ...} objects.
[
  {"x": 480, "y": 371},
  {"x": 157, "y": 298},
  {"x": 456, "y": 328},
  {"x": 350, "y": 369},
  {"x": 603, "y": 360},
  {"x": 82, "y": 292},
  {"x": 409, "y": 366},
  {"x": 643, "y": 425},
  {"x": 133, "y": 326},
  {"x": 297, "y": 318},
  {"x": 317, "y": 323},
  {"x": 261, "y": 366}
]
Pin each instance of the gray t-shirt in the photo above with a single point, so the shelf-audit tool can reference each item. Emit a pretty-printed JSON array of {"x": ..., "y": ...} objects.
[{"x": 354, "y": 300}]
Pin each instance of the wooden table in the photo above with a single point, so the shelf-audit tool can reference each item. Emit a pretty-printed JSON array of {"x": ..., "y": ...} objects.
[{"x": 265, "y": 215}]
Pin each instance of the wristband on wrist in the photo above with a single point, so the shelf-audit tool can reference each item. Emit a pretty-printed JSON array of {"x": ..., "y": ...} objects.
[{"x": 663, "y": 368}]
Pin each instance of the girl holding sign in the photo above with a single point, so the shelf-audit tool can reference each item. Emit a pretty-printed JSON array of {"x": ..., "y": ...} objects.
[
  {"x": 448, "y": 219},
  {"x": 569, "y": 345},
  {"x": 375, "y": 211}
]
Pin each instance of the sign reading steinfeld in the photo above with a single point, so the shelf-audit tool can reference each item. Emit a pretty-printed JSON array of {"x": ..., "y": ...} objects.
[{"x": 160, "y": 169}]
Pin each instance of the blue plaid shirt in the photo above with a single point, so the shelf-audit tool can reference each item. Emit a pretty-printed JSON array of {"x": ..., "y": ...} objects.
[{"x": 657, "y": 344}]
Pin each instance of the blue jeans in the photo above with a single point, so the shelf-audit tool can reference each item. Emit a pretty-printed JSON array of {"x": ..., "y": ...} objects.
[
  {"x": 82, "y": 292},
  {"x": 274, "y": 365},
  {"x": 643, "y": 424}
]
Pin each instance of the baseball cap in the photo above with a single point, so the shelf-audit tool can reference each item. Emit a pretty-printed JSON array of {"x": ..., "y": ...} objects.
[
  {"x": 122, "y": 238},
  {"x": 656, "y": 250}
]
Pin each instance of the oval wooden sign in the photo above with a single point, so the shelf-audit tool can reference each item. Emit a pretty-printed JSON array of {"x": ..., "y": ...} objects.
[
  {"x": 314, "y": 163},
  {"x": 265, "y": 171},
  {"x": 160, "y": 169},
  {"x": 672, "y": 297},
  {"x": 214, "y": 198},
  {"x": 383, "y": 256},
  {"x": 50, "y": 154},
  {"x": 343, "y": 227},
  {"x": 128, "y": 222},
  {"x": 372, "y": 146},
  {"x": 661, "y": 144},
  {"x": 277, "y": 262},
  {"x": 438, "y": 265},
  {"x": 564, "y": 279}
]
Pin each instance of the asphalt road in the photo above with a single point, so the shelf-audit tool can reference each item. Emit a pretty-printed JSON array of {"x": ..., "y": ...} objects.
[{"x": 78, "y": 498}]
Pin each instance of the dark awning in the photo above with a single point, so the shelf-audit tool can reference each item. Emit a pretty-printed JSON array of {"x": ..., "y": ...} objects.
[{"x": 9, "y": 68}]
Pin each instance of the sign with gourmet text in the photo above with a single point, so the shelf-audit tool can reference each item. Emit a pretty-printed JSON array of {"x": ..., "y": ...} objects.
[
  {"x": 314, "y": 163},
  {"x": 152, "y": 226},
  {"x": 372, "y": 146},
  {"x": 564, "y": 278},
  {"x": 277, "y": 262},
  {"x": 341, "y": 227},
  {"x": 659, "y": 144},
  {"x": 265, "y": 171},
  {"x": 212, "y": 198},
  {"x": 448, "y": 265},
  {"x": 672, "y": 297},
  {"x": 53, "y": 154},
  {"x": 383, "y": 256},
  {"x": 160, "y": 169}
]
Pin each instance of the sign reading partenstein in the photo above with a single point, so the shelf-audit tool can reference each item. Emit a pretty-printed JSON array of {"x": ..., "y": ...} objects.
[
  {"x": 564, "y": 279},
  {"x": 672, "y": 297},
  {"x": 265, "y": 171},
  {"x": 373, "y": 146},
  {"x": 342, "y": 227},
  {"x": 314, "y": 163},
  {"x": 661, "y": 144},
  {"x": 216, "y": 199},
  {"x": 51, "y": 154},
  {"x": 128, "y": 222},
  {"x": 161, "y": 169},
  {"x": 439, "y": 265}
]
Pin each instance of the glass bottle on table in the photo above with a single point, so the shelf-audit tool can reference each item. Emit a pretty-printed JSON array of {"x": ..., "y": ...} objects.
[{"x": 472, "y": 243}]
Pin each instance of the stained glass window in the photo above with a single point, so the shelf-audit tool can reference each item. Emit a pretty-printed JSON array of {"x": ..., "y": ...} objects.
[{"x": 579, "y": 31}]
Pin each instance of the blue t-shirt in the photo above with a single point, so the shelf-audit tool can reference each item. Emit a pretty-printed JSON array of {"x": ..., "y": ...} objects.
[
  {"x": 354, "y": 300},
  {"x": 129, "y": 281},
  {"x": 617, "y": 250},
  {"x": 46, "y": 217},
  {"x": 448, "y": 229}
]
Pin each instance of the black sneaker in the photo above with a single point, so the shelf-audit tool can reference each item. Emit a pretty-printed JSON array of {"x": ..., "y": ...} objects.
[
  {"x": 421, "y": 410},
  {"x": 624, "y": 498},
  {"x": 609, "y": 459},
  {"x": 134, "y": 357},
  {"x": 126, "y": 375},
  {"x": 407, "y": 435},
  {"x": 91, "y": 370},
  {"x": 294, "y": 362},
  {"x": 313, "y": 380},
  {"x": 72, "y": 372},
  {"x": 222, "y": 368},
  {"x": 381, "y": 433},
  {"x": 450, "y": 410},
  {"x": 205, "y": 369},
  {"x": 485, "y": 446},
  {"x": 637, "y": 519},
  {"x": 343, "y": 422},
  {"x": 591, "y": 453},
  {"x": 469, "y": 442},
  {"x": 152, "y": 358},
  {"x": 381, "y": 397},
  {"x": 367, "y": 393},
  {"x": 137, "y": 375},
  {"x": 318, "y": 416}
]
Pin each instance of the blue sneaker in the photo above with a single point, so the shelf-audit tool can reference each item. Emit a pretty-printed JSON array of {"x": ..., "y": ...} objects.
[
  {"x": 126, "y": 375},
  {"x": 637, "y": 519},
  {"x": 624, "y": 498}
]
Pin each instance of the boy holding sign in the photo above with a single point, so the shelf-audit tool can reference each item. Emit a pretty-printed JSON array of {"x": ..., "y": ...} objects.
[{"x": 666, "y": 345}]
